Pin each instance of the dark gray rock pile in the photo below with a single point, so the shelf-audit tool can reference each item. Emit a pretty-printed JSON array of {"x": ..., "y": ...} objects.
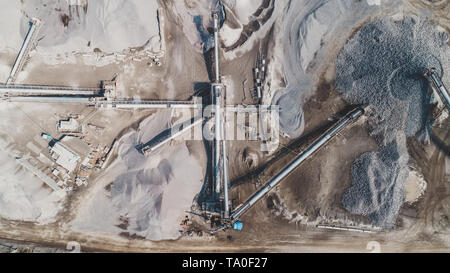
[{"x": 382, "y": 65}]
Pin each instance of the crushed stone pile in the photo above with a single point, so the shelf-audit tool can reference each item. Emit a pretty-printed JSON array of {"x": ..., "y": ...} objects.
[
  {"x": 377, "y": 190},
  {"x": 382, "y": 65}
]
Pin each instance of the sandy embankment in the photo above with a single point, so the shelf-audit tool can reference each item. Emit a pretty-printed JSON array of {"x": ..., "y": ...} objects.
[
  {"x": 69, "y": 29},
  {"x": 23, "y": 196},
  {"x": 149, "y": 194},
  {"x": 307, "y": 25}
]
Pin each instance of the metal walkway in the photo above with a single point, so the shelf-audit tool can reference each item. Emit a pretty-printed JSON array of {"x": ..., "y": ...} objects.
[
  {"x": 439, "y": 86},
  {"x": 146, "y": 104},
  {"x": 47, "y": 180},
  {"x": 24, "y": 50},
  {"x": 51, "y": 100},
  {"x": 101, "y": 102},
  {"x": 176, "y": 131},
  {"x": 27, "y": 90}
]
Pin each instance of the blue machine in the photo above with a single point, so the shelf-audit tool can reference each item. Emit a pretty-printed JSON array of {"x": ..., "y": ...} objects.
[
  {"x": 237, "y": 226},
  {"x": 46, "y": 136}
]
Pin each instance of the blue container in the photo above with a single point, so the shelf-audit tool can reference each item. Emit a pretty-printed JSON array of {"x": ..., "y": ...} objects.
[
  {"x": 46, "y": 136},
  {"x": 237, "y": 226}
]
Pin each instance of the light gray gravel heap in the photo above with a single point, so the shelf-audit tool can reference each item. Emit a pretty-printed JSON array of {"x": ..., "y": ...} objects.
[{"x": 307, "y": 25}]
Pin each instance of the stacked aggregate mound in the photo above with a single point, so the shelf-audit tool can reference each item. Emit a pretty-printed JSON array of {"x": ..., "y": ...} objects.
[
  {"x": 377, "y": 189},
  {"x": 110, "y": 26},
  {"x": 153, "y": 192},
  {"x": 307, "y": 26},
  {"x": 383, "y": 66}
]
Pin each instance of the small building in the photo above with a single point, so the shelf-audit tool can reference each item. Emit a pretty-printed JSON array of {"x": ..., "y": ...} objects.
[
  {"x": 70, "y": 125},
  {"x": 64, "y": 156},
  {"x": 109, "y": 89}
]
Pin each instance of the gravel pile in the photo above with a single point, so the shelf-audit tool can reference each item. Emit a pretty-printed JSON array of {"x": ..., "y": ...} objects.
[
  {"x": 383, "y": 66},
  {"x": 377, "y": 190},
  {"x": 151, "y": 193}
]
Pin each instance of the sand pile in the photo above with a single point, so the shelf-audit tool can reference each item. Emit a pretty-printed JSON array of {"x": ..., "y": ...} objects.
[
  {"x": 382, "y": 65},
  {"x": 243, "y": 9},
  {"x": 23, "y": 196},
  {"x": 239, "y": 14},
  {"x": 308, "y": 25},
  {"x": 10, "y": 20},
  {"x": 149, "y": 195},
  {"x": 81, "y": 26},
  {"x": 110, "y": 26},
  {"x": 10, "y": 35},
  {"x": 194, "y": 17}
]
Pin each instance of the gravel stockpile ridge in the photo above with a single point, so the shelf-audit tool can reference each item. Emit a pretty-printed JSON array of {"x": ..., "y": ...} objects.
[
  {"x": 307, "y": 26},
  {"x": 382, "y": 65},
  {"x": 377, "y": 189}
]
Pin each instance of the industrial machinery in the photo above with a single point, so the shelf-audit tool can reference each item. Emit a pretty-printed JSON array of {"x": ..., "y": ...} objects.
[
  {"x": 216, "y": 45},
  {"x": 173, "y": 133},
  {"x": 103, "y": 97},
  {"x": 220, "y": 156},
  {"x": 439, "y": 86},
  {"x": 42, "y": 90},
  {"x": 314, "y": 147},
  {"x": 25, "y": 50}
]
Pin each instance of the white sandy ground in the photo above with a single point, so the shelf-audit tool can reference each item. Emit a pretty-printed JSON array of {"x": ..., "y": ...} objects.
[
  {"x": 23, "y": 196},
  {"x": 229, "y": 35},
  {"x": 11, "y": 36},
  {"x": 111, "y": 26},
  {"x": 194, "y": 16},
  {"x": 243, "y": 9},
  {"x": 153, "y": 192}
]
